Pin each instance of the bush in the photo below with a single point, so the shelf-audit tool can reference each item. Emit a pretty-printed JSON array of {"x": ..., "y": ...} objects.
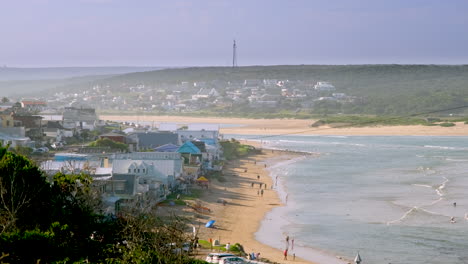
[{"x": 447, "y": 124}]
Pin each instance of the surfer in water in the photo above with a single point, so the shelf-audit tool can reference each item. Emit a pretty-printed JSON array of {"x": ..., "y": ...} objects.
[{"x": 452, "y": 220}]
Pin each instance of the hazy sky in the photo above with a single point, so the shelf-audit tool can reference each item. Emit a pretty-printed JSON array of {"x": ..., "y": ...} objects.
[{"x": 200, "y": 32}]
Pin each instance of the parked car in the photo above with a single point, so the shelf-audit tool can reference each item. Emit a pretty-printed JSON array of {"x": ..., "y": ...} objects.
[
  {"x": 40, "y": 150},
  {"x": 232, "y": 260},
  {"x": 186, "y": 248},
  {"x": 215, "y": 257}
]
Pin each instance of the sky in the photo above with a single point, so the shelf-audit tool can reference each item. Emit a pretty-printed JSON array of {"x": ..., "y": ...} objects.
[{"x": 56, "y": 33}]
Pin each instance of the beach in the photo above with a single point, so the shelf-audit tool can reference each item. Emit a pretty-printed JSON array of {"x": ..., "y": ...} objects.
[
  {"x": 245, "y": 215},
  {"x": 245, "y": 126},
  {"x": 240, "y": 218}
]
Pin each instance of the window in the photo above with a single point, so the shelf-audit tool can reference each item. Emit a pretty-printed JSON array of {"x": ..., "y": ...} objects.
[
  {"x": 134, "y": 170},
  {"x": 138, "y": 170},
  {"x": 129, "y": 170},
  {"x": 144, "y": 170}
]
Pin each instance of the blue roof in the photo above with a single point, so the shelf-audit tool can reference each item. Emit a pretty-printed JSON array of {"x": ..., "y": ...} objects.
[
  {"x": 189, "y": 147},
  {"x": 167, "y": 148}
]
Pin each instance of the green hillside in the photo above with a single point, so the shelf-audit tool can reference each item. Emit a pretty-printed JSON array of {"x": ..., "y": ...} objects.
[{"x": 385, "y": 89}]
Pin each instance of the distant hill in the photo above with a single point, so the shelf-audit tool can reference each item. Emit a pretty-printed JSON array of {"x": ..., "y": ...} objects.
[
  {"x": 41, "y": 87},
  {"x": 11, "y": 74},
  {"x": 386, "y": 89}
]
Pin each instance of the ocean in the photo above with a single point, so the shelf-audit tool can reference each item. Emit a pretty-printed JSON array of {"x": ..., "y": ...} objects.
[{"x": 390, "y": 198}]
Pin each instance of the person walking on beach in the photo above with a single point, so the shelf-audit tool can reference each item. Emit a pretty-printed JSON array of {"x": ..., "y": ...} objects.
[
  {"x": 285, "y": 253},
  {"x": 261, "y": 192}
]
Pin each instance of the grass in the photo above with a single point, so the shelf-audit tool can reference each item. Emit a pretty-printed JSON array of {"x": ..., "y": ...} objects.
[
  {"x": 235, "y": 248},
  {"x": 233, "y": 149},
  {"x": 194, "y": 194},
  {"x": 360, "y": 121},
  {"x": 447, "y": 124}
]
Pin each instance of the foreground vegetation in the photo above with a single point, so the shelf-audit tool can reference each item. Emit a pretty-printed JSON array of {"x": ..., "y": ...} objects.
[
  {"x": 233, "y": 149},
  {"x": 61, "y": 220}
]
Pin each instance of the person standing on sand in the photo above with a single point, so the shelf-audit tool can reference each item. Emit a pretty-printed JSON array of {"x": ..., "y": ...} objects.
[
  {"x": 285, "y": 253},
  {"x": 261, "y": 192}
]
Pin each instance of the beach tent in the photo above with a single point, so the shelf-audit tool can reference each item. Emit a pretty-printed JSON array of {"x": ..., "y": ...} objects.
[{"x": 210, "y": 223}]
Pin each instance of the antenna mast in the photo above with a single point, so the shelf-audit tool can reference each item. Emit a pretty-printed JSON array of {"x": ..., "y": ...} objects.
[{"x": 234, "y": 54}]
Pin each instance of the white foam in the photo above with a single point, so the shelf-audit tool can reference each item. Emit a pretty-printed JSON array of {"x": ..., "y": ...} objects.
[
  {"x": 421, "y": 185},
  {"x": 445, "y": 147}
]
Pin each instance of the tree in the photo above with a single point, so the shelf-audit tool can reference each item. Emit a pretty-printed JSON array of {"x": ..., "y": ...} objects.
[
  {"x": 5, "y": 100},
  {"x": 105, "y": 142},
  {"x": 23, "y": 192}
]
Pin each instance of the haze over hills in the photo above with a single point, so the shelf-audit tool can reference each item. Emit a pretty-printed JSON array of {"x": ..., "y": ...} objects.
[
  {"x": 11, "y": 74},
  {"x": 380, "y": 89},
  {"x": 24, "y": 81},
  {"x": 385, "y": 89}
]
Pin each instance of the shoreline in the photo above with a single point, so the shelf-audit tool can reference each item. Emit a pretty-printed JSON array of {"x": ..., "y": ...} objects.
[
  {"x": 270, "y": 230},
  {"x": 245, "y": 126},
  {"x": 242, "y": 217}
]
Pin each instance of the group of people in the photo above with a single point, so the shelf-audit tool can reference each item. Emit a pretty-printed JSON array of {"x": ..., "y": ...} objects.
[{"x": 253, "y": 256}]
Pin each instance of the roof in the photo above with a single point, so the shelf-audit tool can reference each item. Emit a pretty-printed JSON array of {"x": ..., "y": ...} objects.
[
  {"x": 189, "y": 147},
  {"x": 156, "y": 139},
  {"x": 54, "y": 124},
  {"x": 167, "y": 148},
  {"x": 112, "y": 134}
]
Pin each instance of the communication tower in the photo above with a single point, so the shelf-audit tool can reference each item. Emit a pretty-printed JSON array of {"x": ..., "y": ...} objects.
[{"x": 234, "y": 54}]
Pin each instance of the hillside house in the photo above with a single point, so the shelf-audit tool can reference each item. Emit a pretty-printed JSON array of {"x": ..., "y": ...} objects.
[{"x": 79, "y": 118}]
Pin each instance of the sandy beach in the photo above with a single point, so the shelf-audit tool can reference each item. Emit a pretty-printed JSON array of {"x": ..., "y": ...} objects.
[
  {"x": 240, "y": 218},
  {"x": 246, "y": 126}
]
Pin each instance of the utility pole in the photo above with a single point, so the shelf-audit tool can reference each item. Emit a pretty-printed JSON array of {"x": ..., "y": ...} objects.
[{"x": 234, "y": 54}]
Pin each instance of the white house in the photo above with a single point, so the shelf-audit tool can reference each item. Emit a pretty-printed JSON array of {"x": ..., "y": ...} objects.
[{"x": 324, "y": 86}]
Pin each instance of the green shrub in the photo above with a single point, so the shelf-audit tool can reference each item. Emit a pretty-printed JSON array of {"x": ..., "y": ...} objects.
[{"x": 447, "y": 124}]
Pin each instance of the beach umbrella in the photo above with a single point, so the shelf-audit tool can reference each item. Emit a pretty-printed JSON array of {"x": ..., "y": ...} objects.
[
  {"x": 210, "y": 223},
  {"x": 357, "y": 259},
  {"x": 202, "y": 179}
]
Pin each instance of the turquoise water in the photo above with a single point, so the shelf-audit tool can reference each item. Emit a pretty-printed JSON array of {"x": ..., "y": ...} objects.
[{"x": 388, "y": 197}]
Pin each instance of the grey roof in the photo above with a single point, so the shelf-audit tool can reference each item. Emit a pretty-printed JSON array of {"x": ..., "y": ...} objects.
[{"x": 156, "y": 139}]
